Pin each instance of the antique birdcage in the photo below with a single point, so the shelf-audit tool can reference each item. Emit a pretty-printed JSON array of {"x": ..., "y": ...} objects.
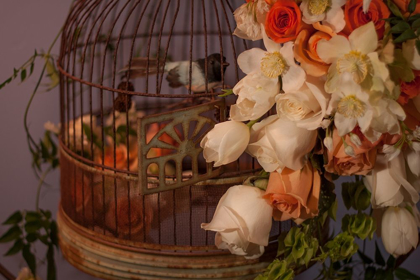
[{"x": 134, "y": 184}]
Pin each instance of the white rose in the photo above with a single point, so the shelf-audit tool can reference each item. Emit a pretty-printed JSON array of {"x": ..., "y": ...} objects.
[
  {"x": 306, "y": 106},
  {"x": 399, "y": 231},
  {"x": 225, "y": 143},
  {"x": 278, "y": 143},
  {"x": 242, "y": 221},
  {"x": 74, "y": 132},
  {"x": 256, "y": 95},
  {"x": 411, "y": 54},
  {"x": 248, "y": 18},
  {"x": 388, "y": 183}
]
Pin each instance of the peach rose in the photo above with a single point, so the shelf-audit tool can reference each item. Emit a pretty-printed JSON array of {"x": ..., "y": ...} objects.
[
  {"x": 305, "y": 52},
  {"x": 403, "y": 5},
  {"x": 294, "y": 194},
  {"x": 121, "y": 157},
  {"x": 355, "y": 17},
  {"x": 410, "y": 90},
  {"x": 344, "y": 165},
  {"x": 152, "y": 131},
  {"x": 284, "y": 21}
]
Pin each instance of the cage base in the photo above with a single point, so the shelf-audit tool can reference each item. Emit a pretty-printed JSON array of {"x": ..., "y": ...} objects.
[{"x": 115, "y": 261}]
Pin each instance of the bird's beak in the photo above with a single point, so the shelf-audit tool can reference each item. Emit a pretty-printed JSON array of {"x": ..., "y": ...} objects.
[{"x": 225, "y": 64}]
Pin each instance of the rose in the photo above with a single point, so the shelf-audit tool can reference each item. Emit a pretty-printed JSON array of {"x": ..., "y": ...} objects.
[
  {"x": 388, "y": 183},
  {"x": 283, "y": 22},
  {"x": 153, "y": 131},
  {"x": 294, "y": 194},
  {"x": 242, "y": 222},
  {"x": 403, "y": 6},
  {"x": 305, "y": 52},
  {"x": 411, "y": 54},
  {"x": 256, "y": 95},
  {"x": 225, "y": 143},
  {"x": 399, "y": 231},
  {"x": 121, "y": 156},
  {"x": 409, "y": 90},
  {"x": 278, "y": 143},
  {"x": 339, "y": 162},
  {"x": 355, "y": 17},
  {"x": 248, "y": 18},
  {"x": 307, "y": 106}
]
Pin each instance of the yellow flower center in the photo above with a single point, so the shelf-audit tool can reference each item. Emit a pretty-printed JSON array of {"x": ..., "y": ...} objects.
[
  {"x": 357, "y": 64},
  {"x": 351, "y": 107},
  {"x": 317, "y": 7},
  {"x": 273, "y": 65}
]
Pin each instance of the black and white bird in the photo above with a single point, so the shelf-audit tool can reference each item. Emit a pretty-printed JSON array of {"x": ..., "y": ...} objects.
[{"x": 178, "y": 72}]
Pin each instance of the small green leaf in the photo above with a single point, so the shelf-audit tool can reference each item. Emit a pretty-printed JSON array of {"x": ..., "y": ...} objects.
[
  {"x": 31, "y": 237},
  {"x": 16, "y": 248},
  {"x": 14, "y": 219},
  {"x": 390, "y": 263},
  {"x": 405, "y": 36},
  {"x": 364, "y": 258},
  {"x": 32, "y": 227},
  {"x": 31, "y": 69},
  {"x": 226, "y": 92},
  {"x": 332, "y": 212},
  {"x": 412, "y": 6},
  {"x": 32, "y": 216},
  {"x": 415, "y": 24},
  {"x": 394, "y": 9},
  {"x": 400, "y": 27},
  {"x": 6, "y": 82},
  {"x": 379, "y": 259},
  {"x": 370, "y": 273},
  {"x": 54, "y": 233},
  {"x": 23, "y": 75},
  {"x": 12, "y": 234},
  {"x": 404, "y": 274},
  {"x": 29, "y": 258}
]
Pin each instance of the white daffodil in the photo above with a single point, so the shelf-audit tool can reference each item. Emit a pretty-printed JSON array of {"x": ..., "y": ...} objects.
[
  {"x": 327, "y": 11},
  {"x": 356, "y": 55},
  {"x": 276, "y": 61}
]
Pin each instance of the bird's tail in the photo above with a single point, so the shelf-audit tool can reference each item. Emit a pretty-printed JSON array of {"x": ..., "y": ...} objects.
[{"x": 143, "y": 66}]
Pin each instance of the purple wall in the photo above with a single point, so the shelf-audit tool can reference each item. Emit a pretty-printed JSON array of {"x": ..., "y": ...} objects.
[{"x": 24, "y": 26}]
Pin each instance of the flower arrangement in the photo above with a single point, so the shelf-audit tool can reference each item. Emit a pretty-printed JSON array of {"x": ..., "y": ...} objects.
[{"x": 334, "y": 93}]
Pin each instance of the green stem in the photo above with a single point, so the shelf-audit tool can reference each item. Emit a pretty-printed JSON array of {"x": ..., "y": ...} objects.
[
  {"x": 251, "y": 123},
  {"x": 41, "y": 182}
]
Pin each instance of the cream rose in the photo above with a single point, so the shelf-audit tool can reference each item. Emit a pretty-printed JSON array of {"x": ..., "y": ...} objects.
[
  {"x": 306, "y": 106},
  {"x": 256, "y": 95},
  {"x": 242, "y": 222},
  {"x": 388, "y": 183},
  {"x": 399, "y": 231},
  {"x": 278, "y": 143},
  {"x": 225, "y": 143},
  {"x": 248, "y": 18}
]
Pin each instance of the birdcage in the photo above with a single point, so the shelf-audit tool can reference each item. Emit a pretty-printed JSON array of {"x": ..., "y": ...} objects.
[{"x": 140, "y": 81}]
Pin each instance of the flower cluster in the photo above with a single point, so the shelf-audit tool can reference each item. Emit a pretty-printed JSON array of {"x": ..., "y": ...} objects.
[{"x": 337, "y": 78}]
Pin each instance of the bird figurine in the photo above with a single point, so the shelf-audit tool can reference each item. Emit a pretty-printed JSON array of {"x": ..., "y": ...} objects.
[
  {"x": 178, "y": 72},
  {"x": 123, "y": 101}
]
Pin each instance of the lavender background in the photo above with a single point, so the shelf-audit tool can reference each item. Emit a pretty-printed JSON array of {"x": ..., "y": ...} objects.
[{"x": 24, "y": 26}]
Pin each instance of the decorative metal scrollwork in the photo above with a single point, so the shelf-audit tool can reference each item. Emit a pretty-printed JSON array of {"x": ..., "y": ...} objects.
[{"x": 186, "y": 128}]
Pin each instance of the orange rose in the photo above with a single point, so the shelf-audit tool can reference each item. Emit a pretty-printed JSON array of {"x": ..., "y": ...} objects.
[
  {"x": 344, "y": 165},
  {"x": 410, "y": 90},
  {"x": 283, "y": 21},
  {"x": 165, "y": 138},
  {"x": 294, "y": 194},
  {"x": 305, "y": 52},
  {"x": 355, "y": 17},
  {"x": 403, "y": 5},
  {"x": 121, "y": 156}
]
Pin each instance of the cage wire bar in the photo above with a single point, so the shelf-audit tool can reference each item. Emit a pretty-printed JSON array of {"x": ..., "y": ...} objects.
[{"x": 132, "y": 170}]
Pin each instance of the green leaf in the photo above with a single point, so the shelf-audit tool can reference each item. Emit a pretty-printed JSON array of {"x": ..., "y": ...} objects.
[
  {"x": 44, "y": 239},
  {"x": 332, "y": 212},
  {"x": 51, "y": 270},
  {"x": 33, "y": 226},
  {"x": 400, "y": 27},
  {"x": 400, "y": 69},
  {"x": 31, "y": 237},
  {"x": 54, "y": 233},
  {"x": 390, "y": 263},
  {"x": 370, "y": 273},
  {"x": 364, "y": 258},
  {"x": 404, "y": 274},
  {"x": 415, "y": 24},
  {"x": 412, "y": 6},
  {"x": 405, "y": 36},
  {"x": 6, "y": 82},
  {"x": 394, "y": 9},
  {"x": 12, "y": 234},
  {"x": 16, "y": 248},
  {"x": 31, "y": 69},
  {"x": 23, "y": 75},
  {"x": 29, "y": 258},
  {"x": 32, "y": 216},
  {"x": 226, "y": 92},
  {"x": 379, "y": 259},
  {"x": 14, "y": 219}
]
